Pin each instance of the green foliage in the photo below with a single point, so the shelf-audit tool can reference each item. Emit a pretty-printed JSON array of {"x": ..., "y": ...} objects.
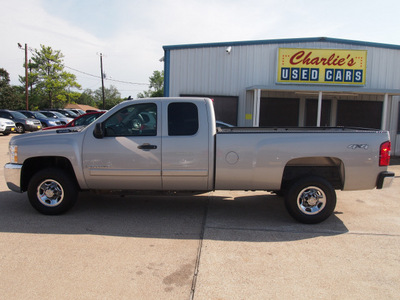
[
  {"x": 48, "y": 80},
  {"x": 10, "y": 97},
  {"x": 156, "y": 87},
  {"x": 87, "y": 98},
  {"x": 111, "y": 97},
  {"x": 95, "y": 98},
  {"x": 50, "y": 86}
]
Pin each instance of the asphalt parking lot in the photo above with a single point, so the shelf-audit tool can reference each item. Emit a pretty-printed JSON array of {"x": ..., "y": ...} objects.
[{"x": 221, "y": 245}]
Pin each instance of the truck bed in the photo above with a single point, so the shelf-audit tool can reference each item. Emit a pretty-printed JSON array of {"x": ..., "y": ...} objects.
[{"x": 295, "y": 129}]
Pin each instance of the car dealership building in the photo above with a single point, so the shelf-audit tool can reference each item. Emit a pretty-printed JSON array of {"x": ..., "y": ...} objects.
[{"x": 292, "y": 82}]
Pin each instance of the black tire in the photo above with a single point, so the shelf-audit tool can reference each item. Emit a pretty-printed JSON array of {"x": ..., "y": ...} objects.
[
  {"x": 52, "y": 191},
  {"x": 20, "y": 128},
  {"x": 6, "y": 133},
  {"x": 310, "y": 200}
]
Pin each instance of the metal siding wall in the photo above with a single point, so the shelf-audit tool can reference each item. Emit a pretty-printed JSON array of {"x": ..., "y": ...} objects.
[
  {"x": 213, "y": 70},
  {"x": 210, "y": 70}
]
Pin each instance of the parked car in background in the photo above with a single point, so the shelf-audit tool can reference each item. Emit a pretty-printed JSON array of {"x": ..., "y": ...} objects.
[
  {"x": 6, "y": 126},
  {"x": 46, "y": 121},
  {"x": 22, "y": 122},
  {"x": 82, "y": 120},
  {"x": 55, "y": 115},
  {"x": 67, "y": 113},
  {"x": 77, "y": 111}
]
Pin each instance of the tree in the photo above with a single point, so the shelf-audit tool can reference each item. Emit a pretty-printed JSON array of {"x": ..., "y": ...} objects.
[
  {"x": 9, "y": 96},
  {"x": 48, "y": 78},
  {"x": 111, "y": 96},
  {"x": 87, "y": 98},
  {"x": 156, "y": 87}
]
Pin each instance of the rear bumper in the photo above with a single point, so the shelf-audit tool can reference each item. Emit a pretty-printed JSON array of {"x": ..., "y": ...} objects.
[
  {"x": 12, "y": 174},
  {"x": 385, "y": 180}
]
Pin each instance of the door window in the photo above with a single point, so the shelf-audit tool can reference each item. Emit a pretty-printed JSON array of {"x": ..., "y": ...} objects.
[{"x": 134, "y": 120}]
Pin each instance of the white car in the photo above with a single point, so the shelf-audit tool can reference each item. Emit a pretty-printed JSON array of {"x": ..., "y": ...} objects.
[{"x": 6, "y": 126}]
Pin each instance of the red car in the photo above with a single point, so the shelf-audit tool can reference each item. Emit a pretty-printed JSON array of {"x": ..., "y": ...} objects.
[{"x": 82, "y": 120}]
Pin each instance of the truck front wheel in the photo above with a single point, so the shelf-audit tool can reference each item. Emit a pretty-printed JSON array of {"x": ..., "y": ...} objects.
[
  {"x": 52, "y": 191},
  {"x": 311, "y": 200}
]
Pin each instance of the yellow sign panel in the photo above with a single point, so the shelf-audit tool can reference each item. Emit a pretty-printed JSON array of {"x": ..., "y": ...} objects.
[{"x": 322, "y": 66}]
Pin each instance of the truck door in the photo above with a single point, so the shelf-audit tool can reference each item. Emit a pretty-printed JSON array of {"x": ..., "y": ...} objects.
[
  {"x": 185, "y": 155},
  {"x": 128, "y": 156}
]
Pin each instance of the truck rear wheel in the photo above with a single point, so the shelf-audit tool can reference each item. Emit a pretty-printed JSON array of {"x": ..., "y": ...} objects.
[
  {"x": 311, "y": 200},
  {"x": 52, "y": 191}
]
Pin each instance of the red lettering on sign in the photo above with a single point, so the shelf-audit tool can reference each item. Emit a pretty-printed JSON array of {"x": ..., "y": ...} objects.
[
  {"x": 302, "y": 57},
  {"x": 296, "y": 58}
]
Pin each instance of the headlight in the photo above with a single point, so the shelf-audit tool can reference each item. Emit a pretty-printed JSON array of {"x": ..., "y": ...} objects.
[
  {"x": 29, "y": 122},
  {"x": 13, "y": 154},
  {"x": 53, "y": 123}
]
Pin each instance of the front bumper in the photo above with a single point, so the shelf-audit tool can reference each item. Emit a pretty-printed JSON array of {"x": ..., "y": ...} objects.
[
  {"x": 33, "y": 127},
  {"x": 9, "y": 129},
  {"x": 12, "y": 174},
  {"x": 385, "y": 180}
]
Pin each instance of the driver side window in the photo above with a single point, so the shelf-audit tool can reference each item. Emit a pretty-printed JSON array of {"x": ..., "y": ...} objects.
[{"x": 134, "y": 120}]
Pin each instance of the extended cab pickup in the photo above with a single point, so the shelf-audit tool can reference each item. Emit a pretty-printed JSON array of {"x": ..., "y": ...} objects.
[{"x": 173, "y": 144}]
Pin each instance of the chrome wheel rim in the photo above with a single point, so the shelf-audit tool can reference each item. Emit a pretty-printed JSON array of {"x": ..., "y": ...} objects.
[
  {"x": 50, "y": 193},
  {"x": 311, "y": 200}
]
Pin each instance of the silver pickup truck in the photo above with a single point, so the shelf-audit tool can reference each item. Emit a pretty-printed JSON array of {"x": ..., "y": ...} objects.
[{"x": 173, "y": 145}]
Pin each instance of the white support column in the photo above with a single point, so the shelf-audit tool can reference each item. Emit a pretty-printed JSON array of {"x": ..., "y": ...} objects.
[
  {"x": 384, "y": 111},
  {"x": 319, "y": 109},
  {"x": 256, "y": 109},
  {"x": 333, "y": 118}
]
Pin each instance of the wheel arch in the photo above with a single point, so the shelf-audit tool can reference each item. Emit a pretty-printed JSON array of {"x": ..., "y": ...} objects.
[
  {"x": 329, "y": 168},
  {"x": 35, "y": 164}
]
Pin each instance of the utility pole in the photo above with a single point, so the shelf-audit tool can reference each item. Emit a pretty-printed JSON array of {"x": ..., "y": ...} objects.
[
  {"x": 26, "y": 74},
  {"x": 102, "y": 79},
  {"x": 26, "y": 77}
]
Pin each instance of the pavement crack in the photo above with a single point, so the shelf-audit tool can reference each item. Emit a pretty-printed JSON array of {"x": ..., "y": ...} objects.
[{"x": 199, "y": 248}]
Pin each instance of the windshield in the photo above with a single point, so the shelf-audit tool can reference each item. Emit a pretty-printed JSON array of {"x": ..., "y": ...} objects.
[
  {"x": 18, "y": 115},
  {"x": 39, "y": 115},
  {"x": 60, "y": 116}
]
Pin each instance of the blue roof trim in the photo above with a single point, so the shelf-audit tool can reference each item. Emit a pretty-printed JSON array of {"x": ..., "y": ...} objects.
[
  {"x": 283, "y": 41},
  {"x": 167, "y": 62}
]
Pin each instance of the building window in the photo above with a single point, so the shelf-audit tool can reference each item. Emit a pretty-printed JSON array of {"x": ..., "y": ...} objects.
[
  {"x": 312, "y": 109},
  {"x": 367, "y": 114}
]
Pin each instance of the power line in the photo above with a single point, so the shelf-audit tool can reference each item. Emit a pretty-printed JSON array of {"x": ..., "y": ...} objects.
[{"x": 109, "y": 79}]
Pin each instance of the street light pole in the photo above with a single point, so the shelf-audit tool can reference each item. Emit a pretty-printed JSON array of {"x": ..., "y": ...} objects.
[
  {"x": 26, "y": 74},
  {"x": 102, "y": 79}
]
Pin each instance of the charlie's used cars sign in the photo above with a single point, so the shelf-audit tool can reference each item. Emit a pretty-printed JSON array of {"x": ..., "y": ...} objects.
[{"x": 323, "y": 66}]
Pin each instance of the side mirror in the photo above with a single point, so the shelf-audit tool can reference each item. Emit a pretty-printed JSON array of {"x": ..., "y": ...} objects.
[{"x": 98, "y": 131}]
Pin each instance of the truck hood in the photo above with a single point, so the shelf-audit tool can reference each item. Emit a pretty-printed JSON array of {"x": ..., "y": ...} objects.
[{"x": 47, "y": 135}]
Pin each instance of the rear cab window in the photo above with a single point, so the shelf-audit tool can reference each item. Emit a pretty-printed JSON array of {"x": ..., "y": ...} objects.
[{"x": 183, "y": 119}]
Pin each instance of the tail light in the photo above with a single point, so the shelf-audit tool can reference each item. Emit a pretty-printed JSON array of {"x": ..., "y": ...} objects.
[{"x": 384, "y": 154}]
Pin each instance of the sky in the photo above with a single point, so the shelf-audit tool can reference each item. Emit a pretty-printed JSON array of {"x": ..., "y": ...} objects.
[{"x": 130, "y": 34}]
